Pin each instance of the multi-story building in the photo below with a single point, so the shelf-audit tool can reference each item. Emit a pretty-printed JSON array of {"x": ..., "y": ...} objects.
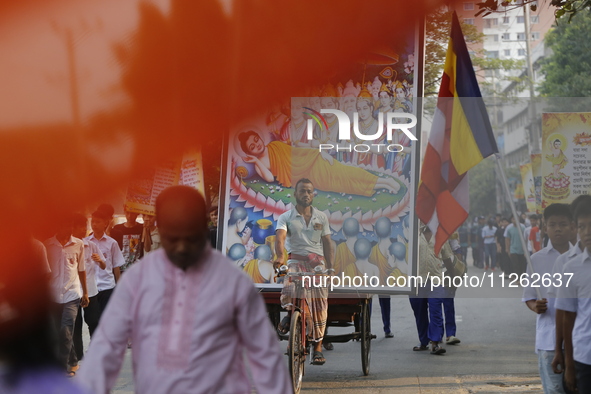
[{"x": 504, "y": 36}]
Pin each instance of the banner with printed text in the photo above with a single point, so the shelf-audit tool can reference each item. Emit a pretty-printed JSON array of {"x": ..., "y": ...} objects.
[
  {"x": 536, "y": 169},
  {"x": 566, "y": 162},
  {"x": 529, "y": 191},
  {"x": 146, "y": 184}
]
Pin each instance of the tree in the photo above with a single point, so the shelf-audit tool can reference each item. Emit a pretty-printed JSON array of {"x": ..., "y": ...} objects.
[
  {"x": 484, "y": 64},
  {"x": 567, "y": 70},
  {"x": 483, "y": 197},
  {"x": 563, "y": 7},
  {"x": 437, "y": 37}
]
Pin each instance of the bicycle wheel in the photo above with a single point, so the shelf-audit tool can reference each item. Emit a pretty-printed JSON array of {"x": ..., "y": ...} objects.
[
  {"x": 297, "y": 356},
  {"x": 365, "y": 322}
]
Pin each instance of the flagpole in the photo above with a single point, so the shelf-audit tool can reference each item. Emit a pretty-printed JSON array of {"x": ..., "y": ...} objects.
[{"x": 514, "y": 211}]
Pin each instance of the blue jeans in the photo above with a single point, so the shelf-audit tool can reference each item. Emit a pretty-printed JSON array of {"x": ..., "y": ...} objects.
[
  {"x": 490, "y": 255},
  {"x": 552, "y": 382},
  {"x": 435, "y": 301},
  {"x": 449, "y": 311}
]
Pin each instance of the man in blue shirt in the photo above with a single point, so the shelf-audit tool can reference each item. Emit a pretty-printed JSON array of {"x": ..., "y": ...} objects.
[{"x": 515, "y": 248}]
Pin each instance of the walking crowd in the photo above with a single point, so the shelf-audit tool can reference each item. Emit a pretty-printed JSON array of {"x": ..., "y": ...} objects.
[
  {"x": 154, "y": 306},
  {"x": 559, "y": 242},
  {"x": 185, "y": 309}
]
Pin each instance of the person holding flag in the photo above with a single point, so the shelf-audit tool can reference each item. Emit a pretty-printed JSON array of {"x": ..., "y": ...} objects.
[{"x": 461, "y": 137}]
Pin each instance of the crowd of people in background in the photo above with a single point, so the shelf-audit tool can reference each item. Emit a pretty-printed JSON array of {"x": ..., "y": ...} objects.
[
  {"x": 496, "y": 244},
  {"x": 559, "y": 243},
  {"x": 87, "y": 272},
  {"x": 85, "y": 260},
  {"x": 85, "y": 265}
]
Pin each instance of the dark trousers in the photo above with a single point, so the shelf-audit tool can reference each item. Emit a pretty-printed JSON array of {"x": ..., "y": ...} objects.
[
  {"x": 504, "y": 262},
  {"x": 435, "y": 301},
  {"x": 518, "y": 263},
  {"x": 420, "y": 308},
  {"x": 583, "y": 377},
  {"x": 449, "y": 310},
  {"x": 91, "y": 318},
  {"x": 490, "y": 255},
  {"x": 64, "y": 319},
  {"x": 385, "y": 307},
  {"x": 464, "y": 252},
  {"x": 103, "y": 299},
  {"x": 477, "y": 256}
]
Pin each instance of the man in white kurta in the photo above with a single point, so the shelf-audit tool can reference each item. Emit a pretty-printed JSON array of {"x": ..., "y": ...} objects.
[{"x": 191, "y": 314}]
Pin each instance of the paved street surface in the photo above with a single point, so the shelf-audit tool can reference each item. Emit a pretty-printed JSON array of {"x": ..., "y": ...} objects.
[{"x": 496, "y": 354}]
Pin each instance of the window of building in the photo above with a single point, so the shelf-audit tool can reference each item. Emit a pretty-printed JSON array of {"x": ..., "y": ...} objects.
[
  {"x": 520, "y": 19},
  {"x": 535, "y": 35},
  {"x": 469, "y": 21},
  {"x": 492, "y": 54},
  {"x": 492, "y": 37},
  {"x": 534, "y": 19},
  {"x": 468, "y": 6},
  {"x": 521, "y": 52},
  {"x": 506, "y": 20},
  {"x": 521, "y": 36},
  {"x": 506, "y": 36},
  {"x": 507, "y": 52},
  {"x": 488, "y": 23}
]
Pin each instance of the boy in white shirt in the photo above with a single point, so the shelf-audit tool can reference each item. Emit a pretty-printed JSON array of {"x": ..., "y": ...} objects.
[
  {"x": 575, "y": 300},
  {"x": 558, "y": 221}
]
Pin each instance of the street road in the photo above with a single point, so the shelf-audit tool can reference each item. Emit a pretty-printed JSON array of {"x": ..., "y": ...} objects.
[{"x": 496, "y": 354}]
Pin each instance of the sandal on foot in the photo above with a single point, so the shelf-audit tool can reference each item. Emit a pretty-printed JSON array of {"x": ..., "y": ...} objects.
[
  {"x": 318, "y": 358},
  {"x": 328, "y": 345},
  {"x": 437, "y": 350},
  {"x": 71, "y": 374},
  {"x": 420, "y": 348},
  {"x": 283, "y": 326}
]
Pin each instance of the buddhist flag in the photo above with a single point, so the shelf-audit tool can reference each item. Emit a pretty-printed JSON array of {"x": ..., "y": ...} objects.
[{"x": 461, "y": 136}]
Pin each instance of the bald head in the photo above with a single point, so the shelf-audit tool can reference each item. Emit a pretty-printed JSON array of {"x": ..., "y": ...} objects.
[{"x": 182, "y": 224}]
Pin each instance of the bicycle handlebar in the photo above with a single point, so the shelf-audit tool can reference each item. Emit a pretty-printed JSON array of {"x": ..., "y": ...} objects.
[{"x": 319, "y": 271}]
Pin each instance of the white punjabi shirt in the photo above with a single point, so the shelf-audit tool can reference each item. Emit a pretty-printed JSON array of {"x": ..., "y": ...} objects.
[
  {"x": 576, "y": 297},
  {"x": 105, "y": 279},
  {"x": 190, "y": 330},
  {"x": 543, "y": 264},
  {"x": 65, "y": 262}
]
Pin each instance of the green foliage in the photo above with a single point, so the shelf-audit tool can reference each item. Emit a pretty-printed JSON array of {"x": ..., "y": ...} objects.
[
  {"x": 437, "y": 37},
  {"x": 483, "y": 197},
  {"x": 567, "y": 71},
  {"x": 564, "y": 8},
  {"x": 482, "y": 64}
]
